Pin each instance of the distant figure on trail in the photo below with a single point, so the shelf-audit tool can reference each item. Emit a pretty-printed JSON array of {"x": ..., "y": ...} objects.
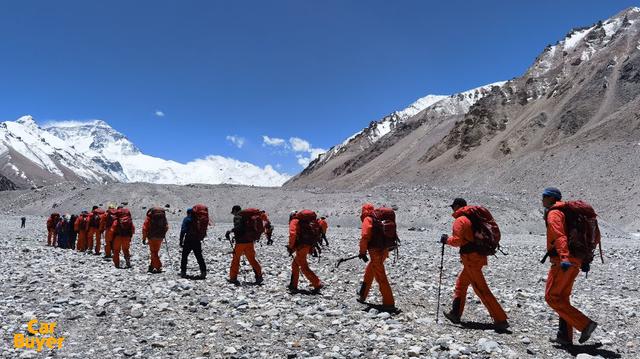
[
  {"x": 268, "y": 228},
  {"x": 324, "y": 226},
  {"x": 473, "y": 255},
  {"x": 568, "y": 255},
  {"x": 23, "y": 222}
]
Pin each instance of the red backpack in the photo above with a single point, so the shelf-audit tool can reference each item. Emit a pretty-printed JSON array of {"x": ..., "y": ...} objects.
[
  {"x": 309, "y": 230},
  {"x": 581, "y": 226},
  {"x": 385, "y": 234},
  {"x": 486, "y": 233},
  {"x": 124, "y": 223},
  {"x": 252, "y": 225},
  {"x": 200, "y": 214},
  {"x": 157, "y": 223}
]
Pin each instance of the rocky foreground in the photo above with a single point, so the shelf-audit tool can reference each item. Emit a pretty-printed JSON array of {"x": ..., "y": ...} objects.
[{"x": 105, "y": 312}]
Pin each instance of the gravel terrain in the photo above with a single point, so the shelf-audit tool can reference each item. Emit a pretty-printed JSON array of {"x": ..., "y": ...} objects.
[{"x": 105, "y": 312}]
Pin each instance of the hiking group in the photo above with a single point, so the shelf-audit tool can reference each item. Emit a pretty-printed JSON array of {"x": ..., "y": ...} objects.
[{"x": 572, "y": 238}]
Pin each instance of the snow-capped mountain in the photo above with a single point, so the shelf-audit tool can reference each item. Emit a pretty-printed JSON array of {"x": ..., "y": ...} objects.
[
  {"x": 437, "y": 105},
  {"x": 94, "y": 152},
  {"x": 32, "y": 156}
]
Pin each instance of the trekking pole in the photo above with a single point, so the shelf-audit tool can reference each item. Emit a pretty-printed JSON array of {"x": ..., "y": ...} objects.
[
  {"x": 341, "y": 260},
  {"x": 440, "y": 283}
]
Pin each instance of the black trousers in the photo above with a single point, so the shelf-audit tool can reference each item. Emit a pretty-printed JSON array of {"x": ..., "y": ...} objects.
[{"x": 196, "y": 247}]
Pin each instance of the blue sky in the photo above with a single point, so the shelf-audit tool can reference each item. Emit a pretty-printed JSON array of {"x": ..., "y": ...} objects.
[{"x": 225, "y": 72}]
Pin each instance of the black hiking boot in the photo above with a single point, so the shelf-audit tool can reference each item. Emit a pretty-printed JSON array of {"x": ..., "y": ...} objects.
[
  {"x": 183, "y": 274},
  {"x": 150, "y": 269},
  {"x": 292, "y": 289},
  {"x": 360, "y": 293},
  {"x": 501, "y": 326},
  {"x": 586, "y": 333},
  {"x": 203, "y": 275},
  {"x": 259, "y": 280},
  {"x": 454, "y": 314},
  {"x": 317, "y": 290},
  {"x": 561, "y": 341},
  {"x": 234, "y": 282}
]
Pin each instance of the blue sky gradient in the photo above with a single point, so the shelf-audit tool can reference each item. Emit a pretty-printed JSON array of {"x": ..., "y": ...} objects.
[{"x": 317, "y": 70}]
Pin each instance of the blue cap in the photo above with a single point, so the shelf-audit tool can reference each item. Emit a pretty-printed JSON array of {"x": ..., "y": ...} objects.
[{"x": 552, "y": 192}]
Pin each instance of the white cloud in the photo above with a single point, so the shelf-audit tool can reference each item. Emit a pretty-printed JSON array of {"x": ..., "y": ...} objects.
[
  {"x": 236, "y": 140},
  {"x": 159, "y": 113},
  {"x": 299, "y": 145},
  {"x": 273, "y": 141},
  {"x": 307, "y": 153}
]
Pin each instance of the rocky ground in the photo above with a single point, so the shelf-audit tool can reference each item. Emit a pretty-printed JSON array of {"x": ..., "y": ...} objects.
[{"x": 105, "y": 312}]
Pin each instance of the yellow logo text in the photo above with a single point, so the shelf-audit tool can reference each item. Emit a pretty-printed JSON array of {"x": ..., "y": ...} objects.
[{"x": 43, "y": 336}]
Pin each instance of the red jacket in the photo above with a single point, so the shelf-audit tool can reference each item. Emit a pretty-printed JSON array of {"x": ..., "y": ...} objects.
[
  {"x": 462, "y": 233},
  {"x": 557, "y": 236}
]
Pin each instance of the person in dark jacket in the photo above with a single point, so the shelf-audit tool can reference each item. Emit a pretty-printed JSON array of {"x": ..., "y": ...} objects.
[
  {"x": 23, "y": 222},
  {"x": 73, "y": 235},
  {"x": 189, "y": 242}
]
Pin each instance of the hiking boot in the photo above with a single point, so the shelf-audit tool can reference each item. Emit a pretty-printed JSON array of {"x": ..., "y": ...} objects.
[
  {"x": 203, "y": 275},
  {"x": 317, "y": 290},
  {"x": 259, "y": 280},
  {"x": 183, "y": 274},
  {"x": 106, "y": 256},
  {"x": 390, "y": 309},
  {"x": 561, "y": 341},
  {"x": 96, "y": 253},
  {"x": 150, "y": 269},
  {"x": 586, "y": 333},
  {"x": 234, "y": 282},
  {"x": 292, "y": 289},
  {"x": 501, "y": 326},
  {"x": 452, "y": 316}
]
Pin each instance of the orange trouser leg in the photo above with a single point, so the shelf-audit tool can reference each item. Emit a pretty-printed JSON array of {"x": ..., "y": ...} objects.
[
  {"x": 98, "y": 235},
  {"x": 82, "y": 241},
  {"x": 557, "y": 293},
  {"x": 301, "y": 264},
  {"x": 250, "y": 253},
  {"x": 108, "y": 243},
  {"x": 117, "y": 247},
  {"x": 375, "y": 270},
  {"x": 235, "y": 263},
  {"x": 154, "y": 250},
  {"x": 126, "y": 244},
  {"x": 91, "y": 233},
  {"x": 295, "y": 274},
  {"x": 473, "y": 276},
  {"x": 51, "y": 237}
]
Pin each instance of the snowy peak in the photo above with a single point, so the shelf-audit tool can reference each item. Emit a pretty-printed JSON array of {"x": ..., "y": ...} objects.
[{"x": 94, "y": 137}]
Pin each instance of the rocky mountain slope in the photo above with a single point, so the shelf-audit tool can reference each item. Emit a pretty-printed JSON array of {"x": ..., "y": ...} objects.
[
  {"x": 94, "y": 152},
  {"x": 571, "y": 121}
]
